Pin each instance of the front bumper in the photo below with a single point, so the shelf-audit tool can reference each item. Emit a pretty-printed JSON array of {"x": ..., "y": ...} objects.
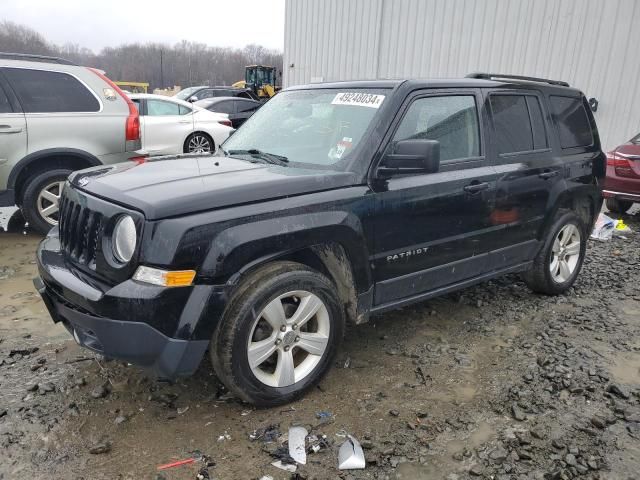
[{"x": 154, "y": 327}]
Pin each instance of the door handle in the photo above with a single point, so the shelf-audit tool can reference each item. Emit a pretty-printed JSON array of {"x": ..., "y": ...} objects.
[
  {"x": 10, "y": 129},
  {"x": 184, "y": 121},
  {"x": 548, "y": 174},
  {"x": 476, "y": 187}
]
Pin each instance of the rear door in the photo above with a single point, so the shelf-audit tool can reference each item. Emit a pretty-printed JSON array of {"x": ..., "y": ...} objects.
[
  {"x": 431, "y": 229},
  {"x": 244, "y": 109},
  {"x": 528, "y": 172},
  {"x": 13, "y": 131},
  {"x": 166, "y": 126}
]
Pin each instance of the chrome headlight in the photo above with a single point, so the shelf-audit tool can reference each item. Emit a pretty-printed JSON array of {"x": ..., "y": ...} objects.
[{"x": 124, "y": 239}]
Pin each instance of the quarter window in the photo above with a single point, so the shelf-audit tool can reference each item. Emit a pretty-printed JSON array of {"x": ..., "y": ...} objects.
[
  {"x": 40, "y": 91},
  {"x": 184, "y": 110},
  {"x": 573, "y": 123},
  {"x": 159, "y": 108},
  {"x": 451, "y": 120},
  {"x": 511, "y": 122},
  {"x": 5, "y": 106}
]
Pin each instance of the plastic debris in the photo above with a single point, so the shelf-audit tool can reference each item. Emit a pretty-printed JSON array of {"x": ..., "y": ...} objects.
[
  {"x": 317, "y": 443},
  {"x": 297, "y": 447},
  {"x": 350, "y": 455},
  {"x": 267, "y": 434},
  {"x": 287, "y": 467},
  {"x": 224, "y": 437},
  {"x": 177, "y": 463},
  {"x": 323, "y": 415},
  {"x": 266, "y": 477},
  {"x": 603, "y": 228}
]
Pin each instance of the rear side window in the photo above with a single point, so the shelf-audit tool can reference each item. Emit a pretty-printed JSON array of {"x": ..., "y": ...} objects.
[
  {"x": 5, "y": 106},
  {"x": 223, "y": 107},
  {"x": 451, "y": 120},
  {"x": 246, "y": 105},
  {"x": 40, "y": 91},
  {"x": 572, "y": 120},
  {"x": 160, "y": 108},
  {"x": 518, "y": 122}
]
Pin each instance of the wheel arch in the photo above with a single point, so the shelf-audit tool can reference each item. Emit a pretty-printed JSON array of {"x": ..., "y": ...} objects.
[
  {"x": 207, "y": 134},
  {"x": 48, "y": 159},
  {"x": 584, "y": 200}
]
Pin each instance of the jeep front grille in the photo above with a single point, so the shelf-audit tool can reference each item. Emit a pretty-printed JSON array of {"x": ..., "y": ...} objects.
[{"x": 80, "y": 232}]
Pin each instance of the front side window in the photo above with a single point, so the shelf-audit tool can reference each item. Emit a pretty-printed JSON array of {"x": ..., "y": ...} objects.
[
  {"x": 451, "y": 120},
  {"x": 159, "y": 108},
  {"x": 573, "y": 123},
  {"x": 319, "y": 128},
  {"x": 40, "y": 91}
]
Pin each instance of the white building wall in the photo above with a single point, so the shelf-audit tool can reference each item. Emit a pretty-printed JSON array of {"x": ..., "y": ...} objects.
[{"x": 592, "y": 44}]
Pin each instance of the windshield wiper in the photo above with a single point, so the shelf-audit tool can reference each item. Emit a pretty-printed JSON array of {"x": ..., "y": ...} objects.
[{"x": 267, "y": 157}]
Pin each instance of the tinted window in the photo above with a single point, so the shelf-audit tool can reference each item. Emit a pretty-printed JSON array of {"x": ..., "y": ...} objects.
[
  {"x": 573, "y": 123},
  {"x": 45, "y": 92},
  {"x": 156, "y": 108},
  {"x": 137, "y": 103},
  {"x": 512, "y": 125},
  {"x": 453, "y": 121},
  {"x": 5, "y": 106},
  {"x": 537, "y": 122},
  {"x": 223, "y": 107},
  {"x": 202, "y": 94},
  {"x": 246, "y": 105}
]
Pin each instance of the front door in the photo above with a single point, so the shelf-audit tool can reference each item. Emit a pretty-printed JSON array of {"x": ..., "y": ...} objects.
[
  {"x": 13, "y": 131},
  {"x": 431, "y": 229}
]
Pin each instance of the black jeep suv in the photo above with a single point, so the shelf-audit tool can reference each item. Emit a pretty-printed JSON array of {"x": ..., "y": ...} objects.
[{"x": 333, "y": 202}]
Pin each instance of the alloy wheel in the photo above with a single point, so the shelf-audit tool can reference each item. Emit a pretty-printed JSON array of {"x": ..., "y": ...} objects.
[
  {"x": 199, "y": 144},
  {"x": 48, "y": 202},
  {"x": 565, "y": 253},
  {"x": 288, "y": 338}
]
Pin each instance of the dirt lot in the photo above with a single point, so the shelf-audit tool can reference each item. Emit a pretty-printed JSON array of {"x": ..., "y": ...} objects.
[{"x": 492, "y": 382}]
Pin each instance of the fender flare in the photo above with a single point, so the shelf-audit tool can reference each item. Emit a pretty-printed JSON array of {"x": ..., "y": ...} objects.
[
  {"x": 92, "y": 160},
  {"x": 564, "y": 192}
]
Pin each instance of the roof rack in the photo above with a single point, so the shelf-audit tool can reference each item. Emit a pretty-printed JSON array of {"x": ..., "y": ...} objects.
[
  {"x": 489, "y": 76},
  {"x": 35, "y": 58}
]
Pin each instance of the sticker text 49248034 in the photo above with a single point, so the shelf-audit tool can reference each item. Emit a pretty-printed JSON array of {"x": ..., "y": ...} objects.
[{"x": 358, "y": 99}]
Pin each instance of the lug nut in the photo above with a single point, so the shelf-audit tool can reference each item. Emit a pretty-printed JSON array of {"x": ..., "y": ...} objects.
[
  {"x": 278, "y": 341},
  {"x": 283, "y": 328},
  {"x": 294, "y": 326},
  {"x": 297, "y": 339},
  {"x": 286, "y": 349}
]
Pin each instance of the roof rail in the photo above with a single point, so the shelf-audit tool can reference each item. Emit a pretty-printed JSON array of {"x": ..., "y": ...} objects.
[
  {"x": 489, "y": 76},
  {"x": 35, "y": 58}
]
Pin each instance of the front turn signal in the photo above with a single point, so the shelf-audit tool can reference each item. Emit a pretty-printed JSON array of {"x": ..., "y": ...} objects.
[{"x": 164, "y": 278}]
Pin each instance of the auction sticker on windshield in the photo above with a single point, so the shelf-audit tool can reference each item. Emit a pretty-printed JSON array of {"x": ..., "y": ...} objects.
[{"x": 358, "y": 99}]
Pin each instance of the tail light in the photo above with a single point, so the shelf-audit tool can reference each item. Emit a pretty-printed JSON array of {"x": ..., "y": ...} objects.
[
  {"x": 226, "y": 123},
  {"x": 622, "y": 166},
  {"x": 132, "y": 125}
]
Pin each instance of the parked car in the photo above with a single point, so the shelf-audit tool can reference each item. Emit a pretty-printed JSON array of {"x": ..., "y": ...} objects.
[
  {"x": 170, "y": 126},
  {"x": 622, "y": 183},
  {"x": 334, "y": 203},
  {"x": 238, "y": 109},
  {"x": 193, "y": 94},
  {"x": 57, "y": 117}
]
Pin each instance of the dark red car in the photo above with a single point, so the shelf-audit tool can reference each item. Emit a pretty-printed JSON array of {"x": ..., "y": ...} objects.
[{"x": 622, "y": 184}]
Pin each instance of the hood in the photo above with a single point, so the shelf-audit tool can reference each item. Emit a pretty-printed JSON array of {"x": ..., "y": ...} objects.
[{"x": 182, "y": 185}]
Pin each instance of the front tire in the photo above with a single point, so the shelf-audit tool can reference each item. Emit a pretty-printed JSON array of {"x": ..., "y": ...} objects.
[
  {"x": 557, "y": 264},
  {"x": 199, "y": 142},
  {"x": 618, "y": 206},
  {"x": 41, "y": 197},
  {"x": 278, "y": 335}
]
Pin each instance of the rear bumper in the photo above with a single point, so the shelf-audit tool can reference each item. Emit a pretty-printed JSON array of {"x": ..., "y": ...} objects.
[
  {"x": 150, "y": 326},
  {"x": 632, "y": 197},
  {"x": 7, "y": 198}
]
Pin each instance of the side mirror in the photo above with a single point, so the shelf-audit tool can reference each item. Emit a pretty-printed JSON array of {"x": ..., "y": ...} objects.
[
  {"x": 412, "y": 156},
  {"x": 193, "y": 98}
]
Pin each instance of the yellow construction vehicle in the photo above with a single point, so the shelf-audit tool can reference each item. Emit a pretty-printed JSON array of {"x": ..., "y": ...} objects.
[
  {"x": 134, "y": 87},
  {"x": 261, "y": 79}
]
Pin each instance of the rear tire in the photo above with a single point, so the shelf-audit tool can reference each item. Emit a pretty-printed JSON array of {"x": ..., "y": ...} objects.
[
  {"x": 40, "y": 199},
  {"x": 557, "y": 264},
  {"x": 270, "y": 362},
  {"x": 618, "y": 206},
  {"x": 199, "y": 142}
]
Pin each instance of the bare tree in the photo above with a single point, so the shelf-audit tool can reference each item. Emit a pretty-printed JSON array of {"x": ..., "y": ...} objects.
[{"x": 185, "y": 63}]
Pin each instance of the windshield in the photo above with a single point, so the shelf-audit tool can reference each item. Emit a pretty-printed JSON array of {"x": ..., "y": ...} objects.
[
  {"x": 186, "y": 93},
  {"x": 311, "y": 127}
]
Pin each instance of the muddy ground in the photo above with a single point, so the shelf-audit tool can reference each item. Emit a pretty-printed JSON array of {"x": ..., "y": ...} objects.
[{"x": 491, "y": 382}]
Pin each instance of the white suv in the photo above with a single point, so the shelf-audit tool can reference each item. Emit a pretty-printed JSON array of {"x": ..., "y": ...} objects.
[{"x": 57, "y": 117}]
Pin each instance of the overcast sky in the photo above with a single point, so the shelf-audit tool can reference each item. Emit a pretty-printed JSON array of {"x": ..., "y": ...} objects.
[{"x": 97, "y": 24}]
